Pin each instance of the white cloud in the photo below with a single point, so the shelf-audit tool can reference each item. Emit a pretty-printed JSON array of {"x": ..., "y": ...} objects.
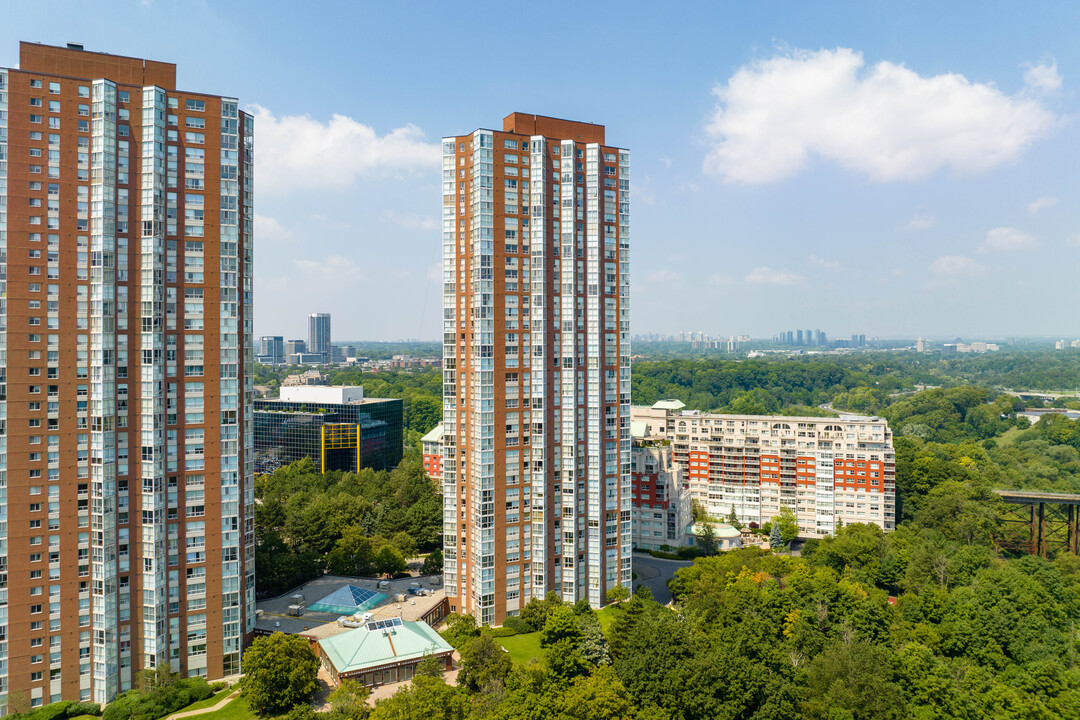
[
  {"x": 821, "y": 262},
  {"x": 885, "y": 121},
  {"x": 1073, "y": 240},
  {"x": 922, "y": 221},
  {"x": 1007, "y": 239},
  {"x": 329, "y": 271},
  {"x": 411, "y": 221},
  {"x": 664, "y": 276},
  {"x": 268, "y": 228},
  {"x": 768, "y": 276},
  {"x": 955, "y": 266},
  {"x": 298, "y": 151},
  {"x": 719, "y": 280},
  {"x": 1042, "y": 203},
  {"x": 1043, "y": 77}
]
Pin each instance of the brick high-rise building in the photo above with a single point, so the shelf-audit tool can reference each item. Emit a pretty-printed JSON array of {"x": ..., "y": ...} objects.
[
  {"x": 125, "y": 216},
  {"x": 536, "y": 347}
]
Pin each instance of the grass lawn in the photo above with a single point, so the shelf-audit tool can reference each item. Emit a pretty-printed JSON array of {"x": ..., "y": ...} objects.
[
  {"x": 1009, "y": 436},
  {"x": 210, "y": 701},
  {"x": 523, "y": 648},
  {"x": 236, "y": 710},
  {"x": 605, "y": 615}
]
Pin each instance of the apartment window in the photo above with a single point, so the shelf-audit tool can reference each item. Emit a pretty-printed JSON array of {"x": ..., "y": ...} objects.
[
  {"x": 123, "y": 96},
  {"x": 54, "y": 88},
  {"x": 35, "y": 83},
  {"x": 196, "y": 106}
]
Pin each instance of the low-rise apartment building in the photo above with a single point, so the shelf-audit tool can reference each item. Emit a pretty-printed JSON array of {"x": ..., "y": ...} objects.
[
  {"x": 827, "y": 470},
  {"x": 661, "y": 509},
  {"x": 432, "y": 447}
]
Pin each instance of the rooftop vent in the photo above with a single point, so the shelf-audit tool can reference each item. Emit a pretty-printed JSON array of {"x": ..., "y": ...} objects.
[{"x": 74, "y": 46}]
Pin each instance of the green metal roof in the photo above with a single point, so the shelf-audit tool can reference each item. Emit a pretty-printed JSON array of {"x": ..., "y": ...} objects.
[
  {"x": 638, "y": 428},
  {"x": 362, "y": 648},
  {"x": 669, "y": 405}
]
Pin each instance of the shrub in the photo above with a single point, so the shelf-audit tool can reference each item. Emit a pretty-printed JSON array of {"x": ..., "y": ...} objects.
[
  {"x": 159, "y": 700},
  {"x": 503, "y": 631},
  {"x": 517, "y": 625},
  {"x": 59, "y": 711}
]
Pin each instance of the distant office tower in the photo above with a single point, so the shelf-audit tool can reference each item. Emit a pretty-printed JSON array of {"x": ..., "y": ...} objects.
[
  {"x": 125, "y": 216},
  {"x": 318, "y": 334},
  {"x": 272, "y": 349},
  {"x": 799, "y": 337},
  {"x": 536, "y": 472},
  {"x": 920, "y": 345},
  {"x": 809, "y": 337},
  {"x": 826, "y": 470},
  {"x": 294, "y": 349}
]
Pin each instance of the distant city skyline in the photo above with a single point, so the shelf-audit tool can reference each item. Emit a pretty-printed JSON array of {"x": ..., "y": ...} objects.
[{"x": 956, "y": 222}]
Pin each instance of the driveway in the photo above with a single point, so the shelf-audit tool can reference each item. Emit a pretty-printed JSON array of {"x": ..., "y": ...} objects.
[{"x": 655, "y": 573}]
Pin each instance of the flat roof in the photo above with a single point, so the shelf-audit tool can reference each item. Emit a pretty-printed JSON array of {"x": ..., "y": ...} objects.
[
  {"x": 275, "y": 611},
  {"x": 313, "y": 403}
]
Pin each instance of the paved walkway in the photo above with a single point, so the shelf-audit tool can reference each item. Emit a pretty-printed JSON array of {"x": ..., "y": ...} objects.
[{"x": 213, "y": 708}]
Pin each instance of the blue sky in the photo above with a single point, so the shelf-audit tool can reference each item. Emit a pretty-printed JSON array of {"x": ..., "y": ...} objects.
[{"x": 856, "y": 167}]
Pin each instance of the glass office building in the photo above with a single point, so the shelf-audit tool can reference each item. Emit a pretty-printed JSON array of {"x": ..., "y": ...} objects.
[{"x": 336, "y": 436}]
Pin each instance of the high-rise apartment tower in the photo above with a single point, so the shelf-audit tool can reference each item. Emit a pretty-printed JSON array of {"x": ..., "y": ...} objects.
[
  {"x": 536, "y": 388},
  {"x": 125, "y": 219},
  {"x": 318, "y": 333}
]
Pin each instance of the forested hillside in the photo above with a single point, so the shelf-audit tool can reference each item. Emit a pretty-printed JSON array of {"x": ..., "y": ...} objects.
[{"x": 927, "y": 622}]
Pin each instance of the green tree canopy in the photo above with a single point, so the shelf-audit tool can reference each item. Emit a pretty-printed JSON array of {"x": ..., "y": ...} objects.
[{"x": 280, "y": 671}]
